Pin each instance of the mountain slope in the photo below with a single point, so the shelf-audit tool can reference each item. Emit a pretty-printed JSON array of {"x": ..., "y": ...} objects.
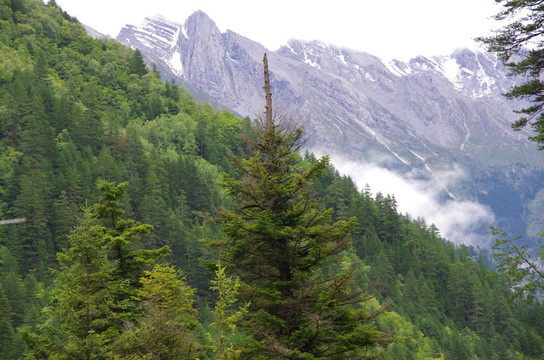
[{"x": 425, "y": 115}]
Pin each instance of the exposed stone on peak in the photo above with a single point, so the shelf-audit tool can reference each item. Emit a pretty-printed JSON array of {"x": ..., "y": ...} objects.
[
  {"x": 349, "y": 98},
  {"x": 199, "y": 24},
  {"x": 423, "y": 114}
]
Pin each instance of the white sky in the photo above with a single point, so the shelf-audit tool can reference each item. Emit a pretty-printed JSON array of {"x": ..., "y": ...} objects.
[{"x": 388, "y": 29}]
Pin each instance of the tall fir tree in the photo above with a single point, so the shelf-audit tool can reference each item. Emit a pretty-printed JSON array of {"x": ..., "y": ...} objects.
[
  {"x": 86, "y": 315},
  {"x": 281, "y": 245},
  {"x": 95, "y": 286},
  {"x": 137, "y": 65}
]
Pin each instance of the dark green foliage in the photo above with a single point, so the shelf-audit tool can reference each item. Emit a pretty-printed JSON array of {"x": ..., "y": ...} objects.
[
  {"x": 20, "y": 301},
  {"x": 74, "y": 111},
  {"x": 520, "y": 45},
  {"x": 444, "y": 290},
  {"x": 283, "y": 247},
  {"x": 7, "y": 331},
  {"x": 136, "y": 64}
]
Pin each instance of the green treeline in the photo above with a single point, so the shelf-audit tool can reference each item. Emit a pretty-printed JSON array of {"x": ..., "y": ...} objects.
[{"x": 94, "y": 146}]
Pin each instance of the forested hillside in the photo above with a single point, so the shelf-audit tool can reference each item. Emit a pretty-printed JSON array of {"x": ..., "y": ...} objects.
[{"x": 94, "y": 146}]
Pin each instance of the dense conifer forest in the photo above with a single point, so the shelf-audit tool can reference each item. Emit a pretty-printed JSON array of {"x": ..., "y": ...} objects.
[{"x": 133, "y": 195}]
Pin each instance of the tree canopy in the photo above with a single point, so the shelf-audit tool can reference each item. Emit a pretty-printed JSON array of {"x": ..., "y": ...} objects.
[{"x": 77, "y": 112}]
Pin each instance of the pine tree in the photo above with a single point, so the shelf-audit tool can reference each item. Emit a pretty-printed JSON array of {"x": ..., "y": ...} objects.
[{"x": 278, "y": 241}]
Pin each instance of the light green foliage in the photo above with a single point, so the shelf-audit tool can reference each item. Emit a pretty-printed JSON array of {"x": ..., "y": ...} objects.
[
  {"x": 163, "y": 328},
  {"x": 84, "y": 299},
  {"x": 412, "y": 343},
  {"x": 94, "y": 286},
  {"x": 225, "y": 340},
  {"x": 517, "y": 265}
]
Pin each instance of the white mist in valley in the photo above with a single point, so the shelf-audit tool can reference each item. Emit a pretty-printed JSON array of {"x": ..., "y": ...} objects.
[{"x": 460, "y": 221}]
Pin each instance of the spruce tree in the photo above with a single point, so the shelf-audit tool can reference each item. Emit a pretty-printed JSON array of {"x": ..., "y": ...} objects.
[
  {"x": 86, "y": 314},
  {"x": 283, "y": 247},
  {"x": 95, "y": 286},
  {"x": 137, "y": 65}
]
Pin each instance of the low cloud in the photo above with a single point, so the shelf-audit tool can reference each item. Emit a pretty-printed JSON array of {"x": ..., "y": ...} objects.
[{"x": 460, "y": 221}]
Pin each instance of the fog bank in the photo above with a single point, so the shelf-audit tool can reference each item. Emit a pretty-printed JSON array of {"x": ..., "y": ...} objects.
[{"x": 460, "y": 221}]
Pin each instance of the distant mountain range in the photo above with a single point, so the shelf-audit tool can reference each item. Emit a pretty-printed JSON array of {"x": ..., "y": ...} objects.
[{"x": 426, "y": 115}]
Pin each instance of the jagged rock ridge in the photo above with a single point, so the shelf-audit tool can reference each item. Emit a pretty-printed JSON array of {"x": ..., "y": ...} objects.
[
  {"x": 427, "y": 113},
  {"x": 349, "y": 99}
]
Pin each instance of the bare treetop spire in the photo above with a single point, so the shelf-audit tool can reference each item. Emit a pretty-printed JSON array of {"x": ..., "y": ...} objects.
[{"x": 268, "y": 94}]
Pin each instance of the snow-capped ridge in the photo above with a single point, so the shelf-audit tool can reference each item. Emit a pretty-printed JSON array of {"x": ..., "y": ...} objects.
[{"x": 394, "y": 98}]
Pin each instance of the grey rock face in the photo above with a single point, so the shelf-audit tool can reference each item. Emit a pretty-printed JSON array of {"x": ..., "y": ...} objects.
[
  {"x": 427, "y": 113},
  {"x": 349, "y": 100}
]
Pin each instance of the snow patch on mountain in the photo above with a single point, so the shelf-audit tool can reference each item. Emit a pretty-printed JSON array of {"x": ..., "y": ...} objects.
[
  {"x": 309, "y": 61},
  {"x": 340, "y": 57},
  {"x": 417, "y": 155},
  {"x": 184, "y": 32},
  {"x": 175, "y": 63},
  {"x": 398, "y": 68},
  {"x": 159, "y": 29},
  {"x": 450, "y": 69},
  {"x": 291, "y": 49}
]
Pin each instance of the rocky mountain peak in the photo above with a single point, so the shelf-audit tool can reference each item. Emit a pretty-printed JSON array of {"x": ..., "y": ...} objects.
[
  {"x": 421, "y": 115},
  {"x": 199, "y": 24}
]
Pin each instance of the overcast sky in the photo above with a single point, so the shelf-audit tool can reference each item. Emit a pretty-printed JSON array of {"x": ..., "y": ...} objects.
[{"x": 388, "y": 29}]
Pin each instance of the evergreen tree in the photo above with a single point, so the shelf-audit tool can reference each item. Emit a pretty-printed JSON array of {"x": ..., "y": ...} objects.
[
  {"x": 228, "y": 316},
  {"x": 520, "y": 45},
  {"x": 137, "y": 65},
  {"x": 163, "y": 330},
  {"x": 124, "y": 235},
  {"x": 277, "y": 241},
  {"x": 95, "y": 285},
  {"x": 85, "y": 305},
  {"x": 7, "y": 333}
]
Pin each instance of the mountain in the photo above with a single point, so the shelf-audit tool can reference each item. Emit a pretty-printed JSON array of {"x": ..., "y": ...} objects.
[
  {"x": 94, "y": 33},
  {"x": 424, "y": 116},
  {"x": 78, "y": 112}
]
